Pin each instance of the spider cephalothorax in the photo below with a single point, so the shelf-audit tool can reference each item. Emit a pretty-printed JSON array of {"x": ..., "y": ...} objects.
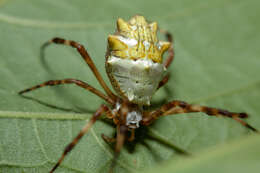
[
  {"x": 134, "y": 58},
  {"x": 134, "y": 66}
]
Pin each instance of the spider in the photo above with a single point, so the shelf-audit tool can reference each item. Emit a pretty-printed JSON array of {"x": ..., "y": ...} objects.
[{"x": 136, "y": 71}]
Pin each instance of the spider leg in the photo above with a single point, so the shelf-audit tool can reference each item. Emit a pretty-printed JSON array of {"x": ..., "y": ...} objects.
[
  {"x": 84, "y": 54},
  {"x": 120, "y": 139},
  {"x": 112, "y": 140},
  {"x": 169, "y": 59},
  {"x": 132, "y": 137},
  {"x": 108, "y": 139},
  {"x": 83, "y": 131},
  {"x": 177, "y": 107},
  {"x": 70, "y": 81},
  {"x": 163, "y": 81}
]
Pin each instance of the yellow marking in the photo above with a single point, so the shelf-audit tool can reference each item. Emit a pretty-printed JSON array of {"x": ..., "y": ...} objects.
[
  {"x": 165, "y": 46},
  {"x": 115, "y": 44},
  {"x": 144, "y": 34},
  {"x": 122, "y": 26}
]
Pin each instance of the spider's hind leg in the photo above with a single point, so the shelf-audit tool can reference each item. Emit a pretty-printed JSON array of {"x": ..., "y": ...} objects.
[
  {"x": 107, "y": 139},
  {"x": 164, "y": 81},
  {"x": 120, "y": 139},
  {"x": 169, "y": 59}
]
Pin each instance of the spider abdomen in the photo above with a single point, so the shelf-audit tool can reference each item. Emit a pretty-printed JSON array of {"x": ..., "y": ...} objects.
[{"x": 134, "y": 59}]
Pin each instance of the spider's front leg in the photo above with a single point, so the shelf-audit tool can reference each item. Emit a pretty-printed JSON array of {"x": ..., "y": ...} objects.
[
  {"x": 84, "y": 54},
  {"x": 103, "y": 109},
  {"x": 177, "y": 107}
]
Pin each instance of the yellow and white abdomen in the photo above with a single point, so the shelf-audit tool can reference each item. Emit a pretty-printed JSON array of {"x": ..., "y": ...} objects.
[{"x": 134, "y": 60}]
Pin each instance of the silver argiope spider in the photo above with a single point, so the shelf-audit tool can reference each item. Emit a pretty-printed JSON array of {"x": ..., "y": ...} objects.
[{"x": 135, "y": 68}]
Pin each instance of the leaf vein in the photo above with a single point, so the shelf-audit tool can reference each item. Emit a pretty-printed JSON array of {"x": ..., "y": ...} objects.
[
  {"x": 108, "y": 152},
  {"x": 229, "y": 92},
  {"x": 46, "y": 24},
  {"x": 35, "y": 129}
]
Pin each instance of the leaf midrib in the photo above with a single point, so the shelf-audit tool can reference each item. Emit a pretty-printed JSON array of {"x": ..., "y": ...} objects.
[{"x": 83, "y": 116}]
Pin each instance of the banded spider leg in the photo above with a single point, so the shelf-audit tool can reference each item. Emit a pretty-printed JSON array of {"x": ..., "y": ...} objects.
[
  {"x": 127, "y": 111},
  {"x": 109, "y": 97},
  {"x": 178, "y": 107}
]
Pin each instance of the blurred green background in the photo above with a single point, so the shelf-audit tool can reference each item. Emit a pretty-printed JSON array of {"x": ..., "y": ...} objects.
[{"x": 217, "y": 64}]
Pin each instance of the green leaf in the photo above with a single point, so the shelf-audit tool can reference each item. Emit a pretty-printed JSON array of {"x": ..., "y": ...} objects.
[
  {"x": 216, "y": 64},
  {"x": 239, "y": 156}
]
